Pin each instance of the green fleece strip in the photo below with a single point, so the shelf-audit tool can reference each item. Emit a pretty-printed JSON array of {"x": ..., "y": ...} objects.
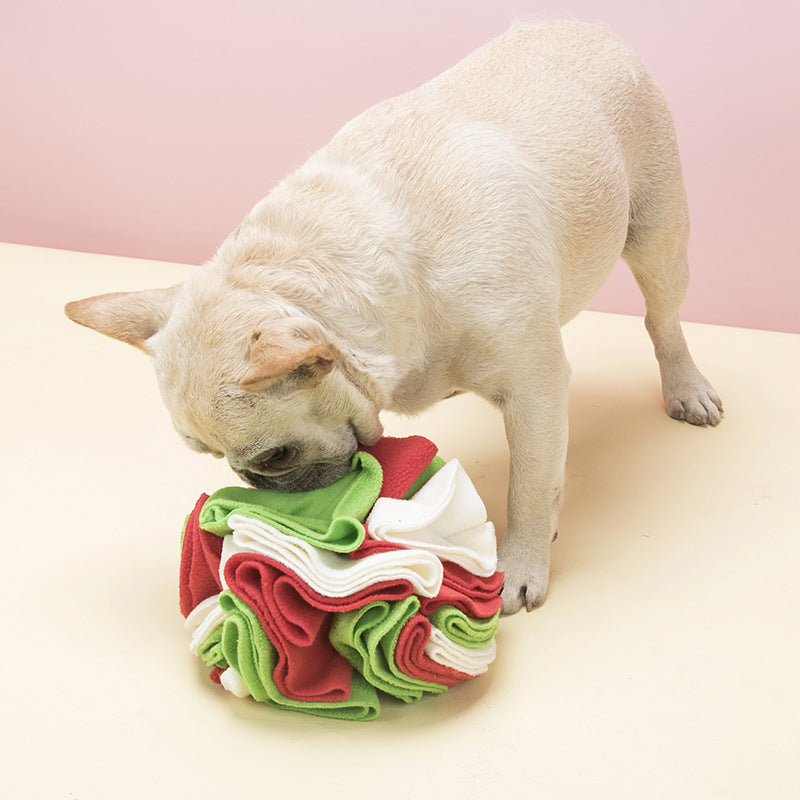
[
  {"x": 183, "y": 531},
  {"x": 211, "y": 649},
  {"x": 248, "y": 650},
  {"x": 330, "y": 518},
  {"x": 462, "y": 629},
  {"x": 367, "y": 638},
  {"x": 429, "y": 471}
]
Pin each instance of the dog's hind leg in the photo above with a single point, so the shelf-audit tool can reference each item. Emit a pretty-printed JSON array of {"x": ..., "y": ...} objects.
[{"x": 655, "y": 250}]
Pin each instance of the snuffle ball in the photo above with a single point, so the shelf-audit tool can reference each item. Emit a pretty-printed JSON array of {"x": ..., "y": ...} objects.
[{"x": 383, "y": 583}]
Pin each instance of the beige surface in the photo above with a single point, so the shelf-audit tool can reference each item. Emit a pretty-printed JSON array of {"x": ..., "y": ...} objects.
[{"x": 664, "y": 664}]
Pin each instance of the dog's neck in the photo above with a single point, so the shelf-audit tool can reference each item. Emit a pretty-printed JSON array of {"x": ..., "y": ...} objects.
[{"x": 283, "y": 250}]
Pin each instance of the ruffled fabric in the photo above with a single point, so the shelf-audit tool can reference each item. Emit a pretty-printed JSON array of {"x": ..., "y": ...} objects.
[
  {"x": 330, "y": 518},
  {"x": 445, "y": 517},
  {"x": 334, "y": 574},
  {"x": 200, "y": 557},
  {"x": 293, "y": 600}
]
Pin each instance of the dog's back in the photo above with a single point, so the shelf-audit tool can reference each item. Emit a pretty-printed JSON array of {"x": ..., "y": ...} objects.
[{"x": 554, "y": 121}]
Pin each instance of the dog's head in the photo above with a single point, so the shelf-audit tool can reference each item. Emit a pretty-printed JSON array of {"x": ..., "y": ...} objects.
[{"x": 246, "y": 377}]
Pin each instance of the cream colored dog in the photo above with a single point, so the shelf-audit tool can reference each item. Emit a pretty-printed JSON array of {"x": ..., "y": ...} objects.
[{"x": 439, "y": 242}]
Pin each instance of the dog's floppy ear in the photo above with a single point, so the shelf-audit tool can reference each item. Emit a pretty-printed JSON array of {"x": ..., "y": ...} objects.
[
  {"x": 131, "y": 317},
  {"x": 277, "y": 352}
]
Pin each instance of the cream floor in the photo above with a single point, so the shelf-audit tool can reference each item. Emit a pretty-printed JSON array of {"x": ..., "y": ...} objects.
[{"x": 664, "y": 664}]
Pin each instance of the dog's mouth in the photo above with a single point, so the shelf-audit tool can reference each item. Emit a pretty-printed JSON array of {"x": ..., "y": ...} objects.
[{"x": 303, "y": 478}]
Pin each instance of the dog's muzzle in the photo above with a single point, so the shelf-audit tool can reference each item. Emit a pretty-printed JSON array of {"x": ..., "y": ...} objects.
[{"x": 301, "y": 479}]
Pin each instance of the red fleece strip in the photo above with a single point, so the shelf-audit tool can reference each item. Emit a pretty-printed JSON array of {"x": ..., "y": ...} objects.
[
  {"x": 402, "y": 461},
  {"x": 200, "y": 558},
  {"x": 410, "y": 655},
  {"x": 297, "y": 620},
  {"x": 475, "y": 595}
]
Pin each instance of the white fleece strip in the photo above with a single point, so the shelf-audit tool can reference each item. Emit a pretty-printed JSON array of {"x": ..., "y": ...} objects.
[
  {"x": 471, "y": 660},
  {"x": 203, "y": 620},
  {"x": 446, "y": 517},
  {"x": 332, "y": 574}
]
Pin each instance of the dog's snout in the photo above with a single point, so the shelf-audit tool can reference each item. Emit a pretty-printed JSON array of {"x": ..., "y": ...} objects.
[
  {"x": 302, "y": 478},
  {"x": 256, "y": 480},
  {"x": 293, "y": 481},
  {"x": 276, "y": 460}
]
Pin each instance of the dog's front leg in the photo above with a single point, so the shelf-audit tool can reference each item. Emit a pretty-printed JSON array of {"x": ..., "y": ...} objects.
[{"x": 535, "y": 409}]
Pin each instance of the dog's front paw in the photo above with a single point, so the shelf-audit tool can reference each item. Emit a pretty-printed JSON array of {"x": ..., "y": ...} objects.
[
  {"x": 693, "y": 400},
  {"x": 525, "y": 583}
]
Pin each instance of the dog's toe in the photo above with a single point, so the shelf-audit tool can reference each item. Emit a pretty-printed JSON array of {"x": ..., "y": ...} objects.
[
  {"x": 527, "y": 591},
  {"x": 697, "y": 404},
  {"x": 528, "y": 597},
  {"x": 525, "y": 562}
]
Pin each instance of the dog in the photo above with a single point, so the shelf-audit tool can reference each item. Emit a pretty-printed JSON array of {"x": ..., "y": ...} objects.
[{"x": 437, "y": 244}]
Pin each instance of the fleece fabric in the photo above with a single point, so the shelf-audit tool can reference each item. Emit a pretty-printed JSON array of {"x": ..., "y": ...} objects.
[
  {"x": 249, "y": 651},
  {"x": 297, "y": 620},
  {"x": 446, "y": 517},
  {"x": 204, "y": 625},
  {"x": 329, "y": 573},
  {"x": 407, "y": 463},
  {"x": 330, "y": 518},
  {"x": 412, "y": 659},
  {"x": 200, "y": 557},
  {"x": 464, "y": 630},
  {"x": 472, "y": 660},
  {"x": 367, "y": 637},
  {"x": 475, "y": 595},
  {"x": 288, "y": 601},
  {"x": 307, "y": 668}
]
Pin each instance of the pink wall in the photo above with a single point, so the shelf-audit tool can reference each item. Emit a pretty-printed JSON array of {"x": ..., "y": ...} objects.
[{"x": 149, "y": 128}]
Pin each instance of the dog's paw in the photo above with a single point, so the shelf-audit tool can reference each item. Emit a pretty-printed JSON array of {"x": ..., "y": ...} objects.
[
  {"x": 524, "y": 585},
  {"x": 695, "y": 402}
]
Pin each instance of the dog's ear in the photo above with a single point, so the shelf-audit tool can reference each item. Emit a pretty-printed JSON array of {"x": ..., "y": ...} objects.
[
  {"x": 276, "y": 353},
  {"x": 131, "y": 317}
]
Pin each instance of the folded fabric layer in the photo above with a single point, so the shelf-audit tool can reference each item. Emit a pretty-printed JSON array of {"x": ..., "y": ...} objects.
[
  {"x": 307, "y": 666},
  {"x": 412, "y": 659},
  {"x": 367, "y": 637},
  {"x": 407, "y": 464},
  {"x": 210, "y": 652},
  {"x": 294, "y": 591},
  {"x": 473, "y": 661},
  {"x": 446, "y": 517},
  {"x": 432, "y": 468},
  {"x": 200, "y": 555},
  {"x": 464, "y": 630},
  {"x": 371, "y": 546},
  {"x": 232, "y": 681},
  {"x": 288, "y": 601},
  {"x": 248, "y": 650},
  {"x": 475, "y": 595},
  {"x": 329, "y": 518},
  {"x": 202, "y": 623},
  {"x": 329, "y": 573},
  {"x": 297, "y": 621}
]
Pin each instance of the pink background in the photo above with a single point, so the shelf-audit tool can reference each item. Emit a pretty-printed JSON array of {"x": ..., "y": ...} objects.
[{"x": 149, "y": 128}]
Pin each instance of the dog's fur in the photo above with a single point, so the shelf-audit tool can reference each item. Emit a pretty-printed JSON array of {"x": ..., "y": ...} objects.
[{"x": 439, "y": 242}]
